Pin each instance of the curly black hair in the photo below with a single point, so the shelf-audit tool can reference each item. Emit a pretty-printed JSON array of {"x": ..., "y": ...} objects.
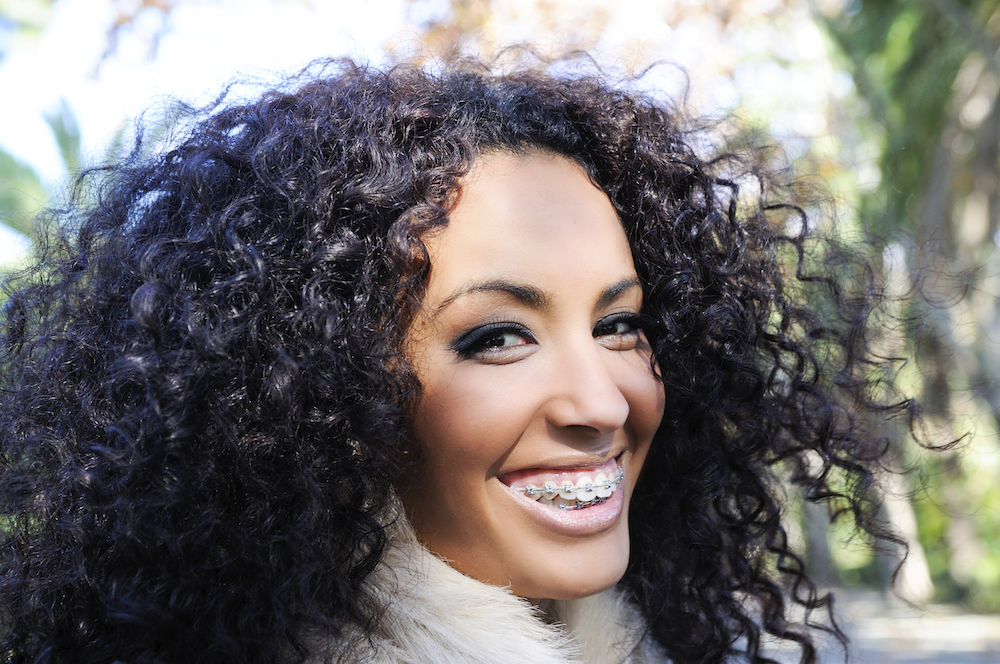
[{"x": 205, "y": 401}]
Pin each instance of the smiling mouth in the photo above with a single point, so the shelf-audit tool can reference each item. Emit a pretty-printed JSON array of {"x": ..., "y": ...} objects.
[{"x": 563, "y": 493}]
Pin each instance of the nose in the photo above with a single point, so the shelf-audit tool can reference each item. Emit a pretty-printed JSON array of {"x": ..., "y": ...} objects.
[{"x": 586, "y": 393}]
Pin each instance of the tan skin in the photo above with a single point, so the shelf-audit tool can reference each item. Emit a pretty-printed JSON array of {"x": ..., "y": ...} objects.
[{"x": 534, "y": 368}]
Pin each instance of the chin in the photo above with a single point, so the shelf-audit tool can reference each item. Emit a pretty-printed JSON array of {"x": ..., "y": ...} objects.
[{"x": 574, "y": 575}]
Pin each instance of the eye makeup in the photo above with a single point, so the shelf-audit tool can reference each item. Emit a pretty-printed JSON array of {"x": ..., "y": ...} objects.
[{"x": 491, "y": 340}]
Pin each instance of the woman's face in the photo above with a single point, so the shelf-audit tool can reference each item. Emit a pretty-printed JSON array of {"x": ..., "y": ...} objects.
[{"x": 536, "y": 375}]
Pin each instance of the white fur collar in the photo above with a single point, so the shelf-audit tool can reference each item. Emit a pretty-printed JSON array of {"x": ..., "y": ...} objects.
[{"x": 437, "y": 615}]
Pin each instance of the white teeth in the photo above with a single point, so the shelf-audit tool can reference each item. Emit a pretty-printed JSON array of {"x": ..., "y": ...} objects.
[
  {"x": 586, "y": 492},
  {"x": 584, "y": 489},
  {"x": 563, "y": 504},
  {"x": 602, "y": 487}
]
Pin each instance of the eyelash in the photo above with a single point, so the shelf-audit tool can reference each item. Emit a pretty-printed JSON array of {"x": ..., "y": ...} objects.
[
  {"x": 635, "y": 322},
  {"x": 476, "y": 343}
]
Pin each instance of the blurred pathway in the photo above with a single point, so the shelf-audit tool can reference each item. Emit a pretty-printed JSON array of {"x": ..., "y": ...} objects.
[{"x": 890, "y": 633}]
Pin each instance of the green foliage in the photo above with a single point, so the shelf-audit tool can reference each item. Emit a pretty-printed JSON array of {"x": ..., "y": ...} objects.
[
  {"x": 930, "y": 75},
  {"x": 66, "y": 131},
  {"x": 904, "y": 58},
  {"x": 22, "y": 194}
]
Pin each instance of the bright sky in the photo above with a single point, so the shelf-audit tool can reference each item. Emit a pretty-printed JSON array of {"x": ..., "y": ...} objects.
[
  {"x": 754, "y": 61},
  {"x": 205, "y": 43}
]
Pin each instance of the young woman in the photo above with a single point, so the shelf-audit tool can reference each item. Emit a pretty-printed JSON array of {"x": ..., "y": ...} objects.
[{"x": 403, "y": 366}]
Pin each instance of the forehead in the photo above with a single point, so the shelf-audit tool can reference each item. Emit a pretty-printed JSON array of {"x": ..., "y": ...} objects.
[{"x": 528, "y": 217}]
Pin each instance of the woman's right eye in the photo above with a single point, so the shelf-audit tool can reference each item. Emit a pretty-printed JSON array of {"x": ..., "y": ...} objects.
[{"x": 496, "y": 342}]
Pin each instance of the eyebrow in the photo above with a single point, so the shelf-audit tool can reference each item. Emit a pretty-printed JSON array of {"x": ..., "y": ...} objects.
[
  {"x": 527, "y": 295},
  {"x": 612, "y": 292},
  {"x": 533, "y": 297}
]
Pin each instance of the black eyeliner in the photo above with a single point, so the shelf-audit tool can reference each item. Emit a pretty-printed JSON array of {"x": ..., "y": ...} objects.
[
  {"x": 466, "y": 345},
  {"x": 637, "y": 320}
]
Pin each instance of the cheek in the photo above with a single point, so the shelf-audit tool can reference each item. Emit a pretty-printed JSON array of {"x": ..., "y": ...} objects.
[
  {"x": 645, "y": 395},
  {"x": 466, "y": 418}
]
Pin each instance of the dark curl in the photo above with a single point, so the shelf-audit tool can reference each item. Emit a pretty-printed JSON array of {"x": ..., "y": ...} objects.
[{"x": 204, "y": 399}]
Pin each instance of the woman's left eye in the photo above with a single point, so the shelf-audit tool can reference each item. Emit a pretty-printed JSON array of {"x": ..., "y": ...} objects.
[{"x": 619, "y": 331}]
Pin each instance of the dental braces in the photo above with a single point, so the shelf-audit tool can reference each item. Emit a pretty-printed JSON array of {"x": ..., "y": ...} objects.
[
  {"x": 580, "y": 504},
  {"x": 551, "y": 489}
]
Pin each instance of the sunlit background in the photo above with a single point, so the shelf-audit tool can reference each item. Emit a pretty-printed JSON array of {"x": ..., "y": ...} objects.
[{"x": 890, "y": 106}]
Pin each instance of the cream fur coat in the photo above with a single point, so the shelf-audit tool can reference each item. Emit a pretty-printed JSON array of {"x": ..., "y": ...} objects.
[{"x": 437, "y": 615}]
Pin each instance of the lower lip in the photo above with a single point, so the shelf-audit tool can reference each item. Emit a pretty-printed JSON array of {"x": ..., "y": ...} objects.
[{"x": 579, "y": 522}]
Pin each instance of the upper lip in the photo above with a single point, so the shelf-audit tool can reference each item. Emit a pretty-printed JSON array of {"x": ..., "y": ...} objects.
[{"x": 565, "y": 464}]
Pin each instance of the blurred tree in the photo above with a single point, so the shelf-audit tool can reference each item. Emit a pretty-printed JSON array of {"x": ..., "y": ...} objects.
[
  {"x": 21, "y": 191},
  {"x": 127, "y": 12},
  {"x": 930, "y": 74}
]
